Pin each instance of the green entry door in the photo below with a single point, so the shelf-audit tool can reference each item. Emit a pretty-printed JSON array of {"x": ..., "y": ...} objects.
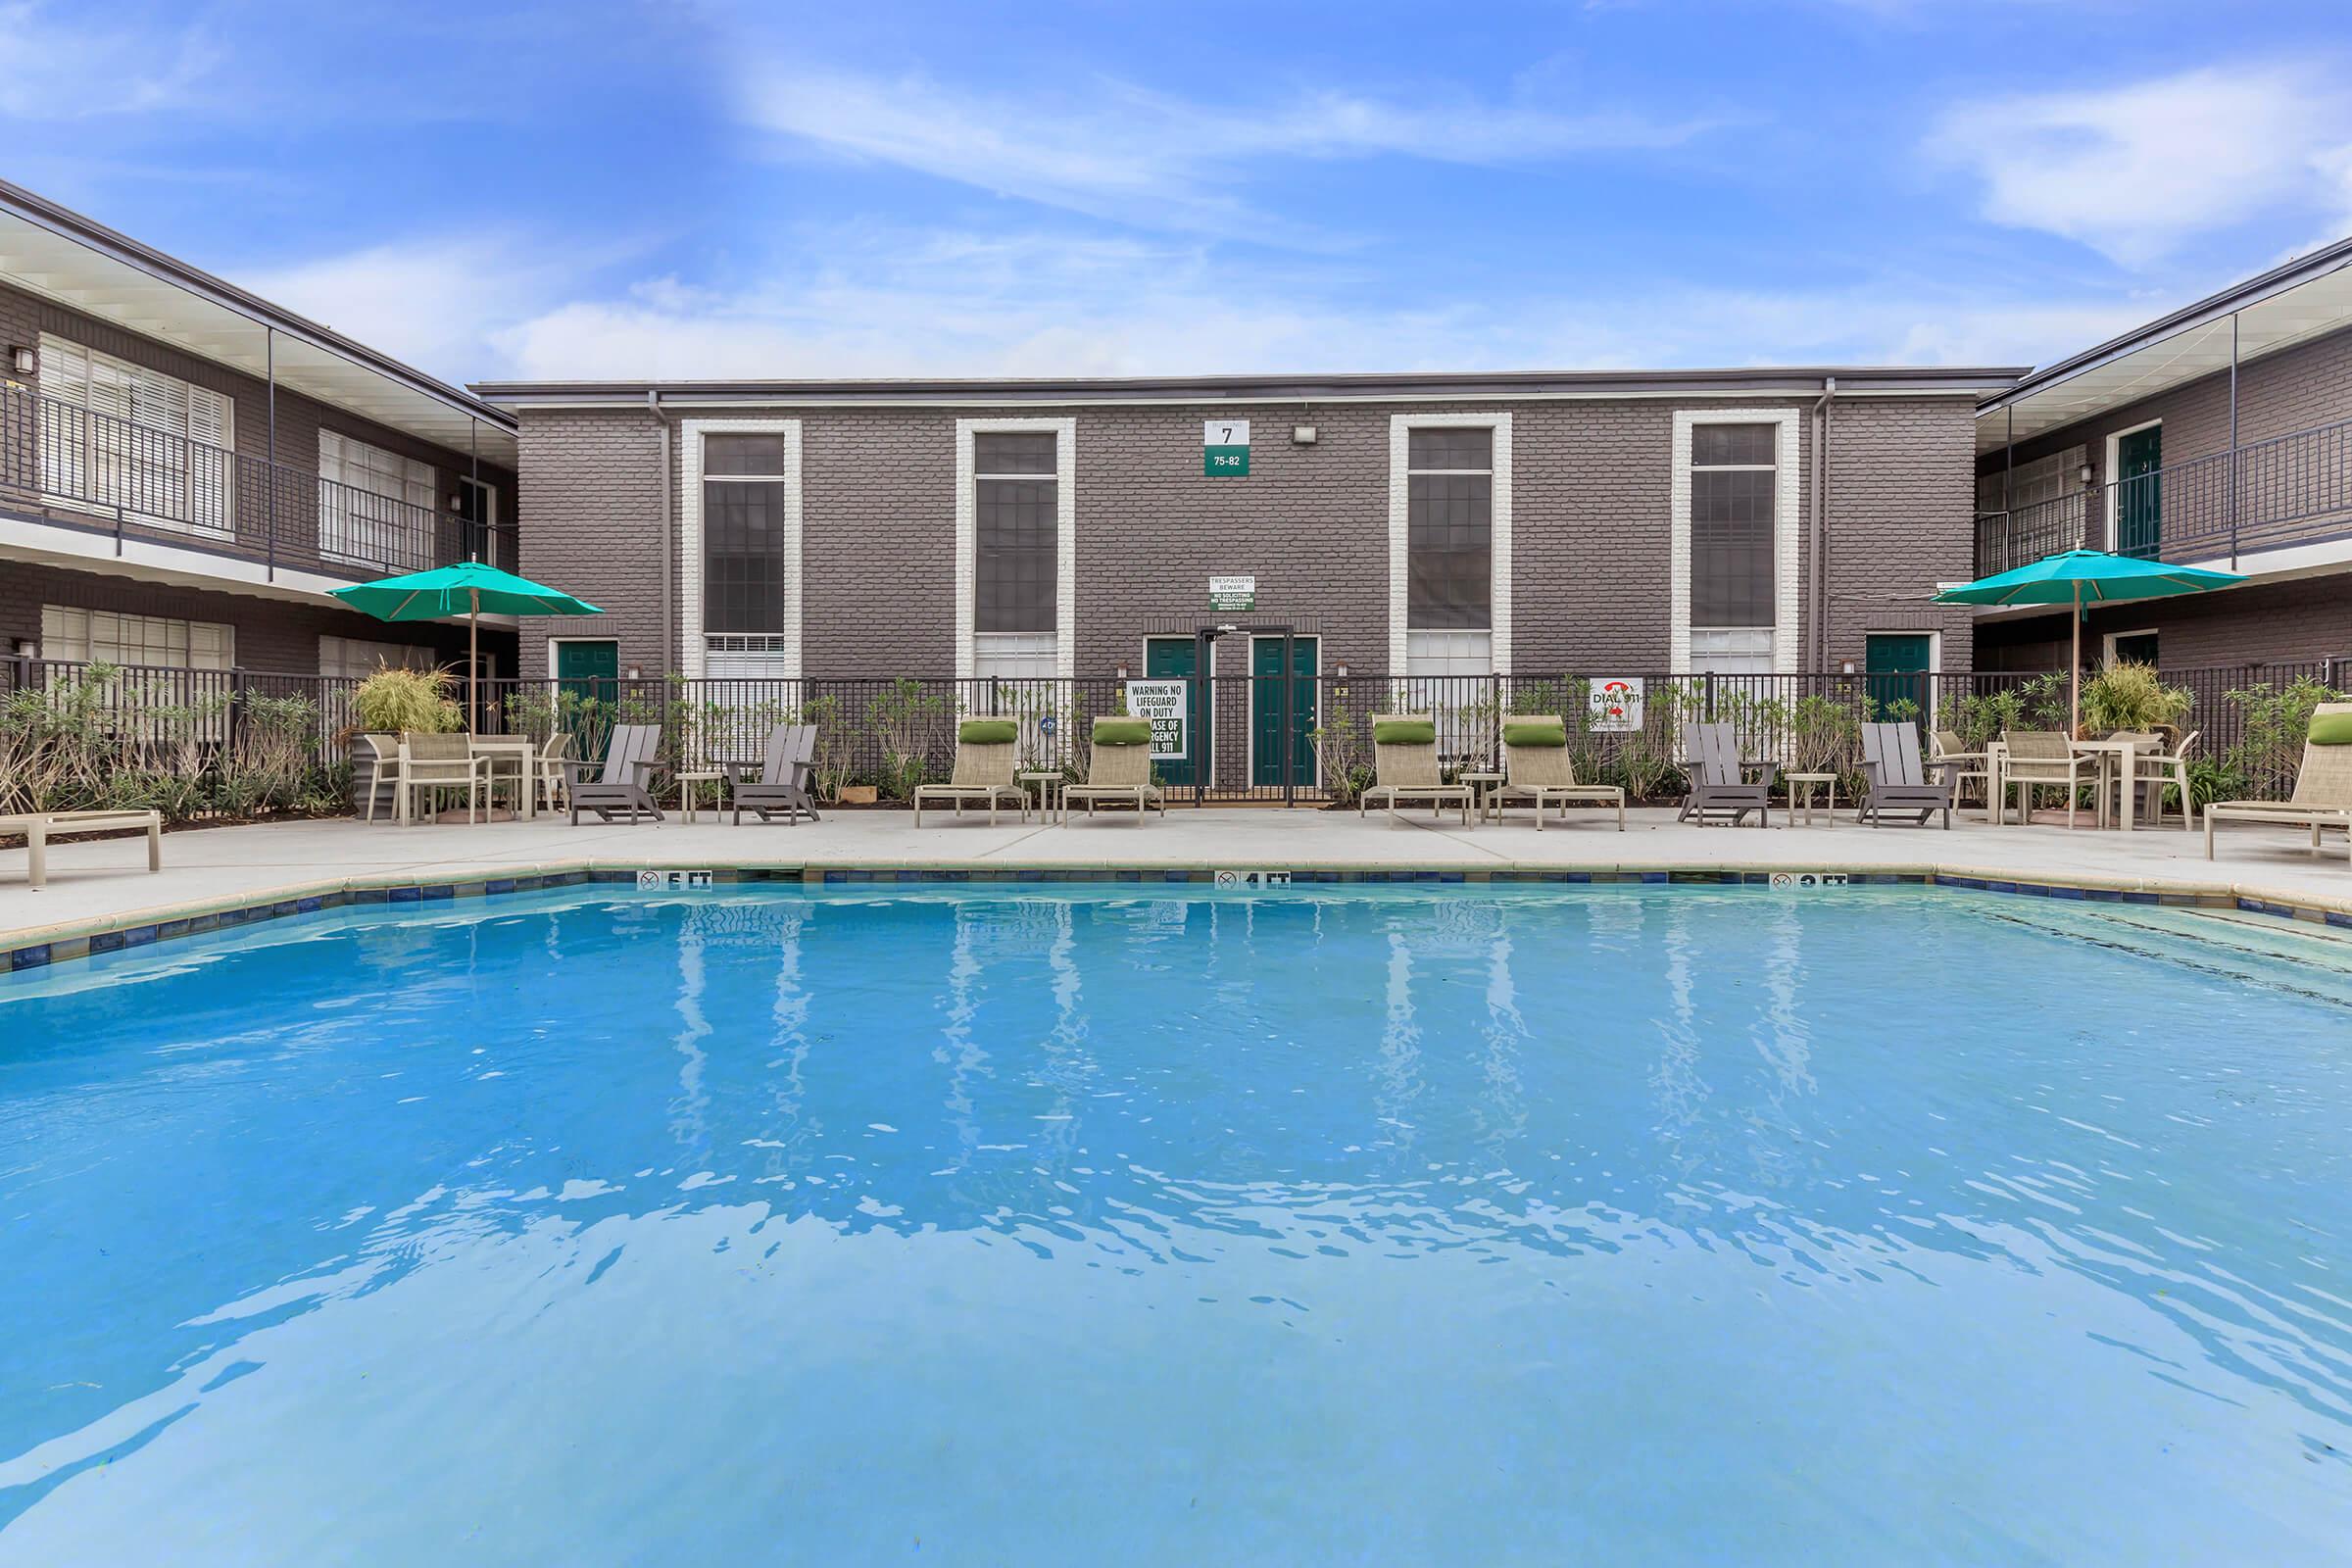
[
  {"x": 1265, "y": 711},
  {"x": 1172, "y": 658},
  {"x": 577, "y": 663},
  {"x": 2139, "y": 492},
  {"x": 1897, "y": 665}
]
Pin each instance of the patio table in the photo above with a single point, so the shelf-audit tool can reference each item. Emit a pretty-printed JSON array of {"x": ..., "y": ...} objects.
[
  {"x": 524, "y": 753},
  {"x": 2111, "y": 754}
]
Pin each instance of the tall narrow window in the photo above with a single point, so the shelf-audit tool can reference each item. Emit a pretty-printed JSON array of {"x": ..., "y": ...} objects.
[
  {"x": 1017, "y": 553},
  {"x": 1449, "y": 594},
  {"x": 745, "y": 553},
  {"x": 376, "y": 507},
  {"x": 1734, "y": 479},
  {"x": 121, "y": 437}
]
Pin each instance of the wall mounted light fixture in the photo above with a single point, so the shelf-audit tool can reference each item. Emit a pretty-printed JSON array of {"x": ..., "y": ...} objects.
[
  {"x": 23, "y": 360},
  {"x": 1122, "y": 670},
  {"x": 1341, "y": 668}
]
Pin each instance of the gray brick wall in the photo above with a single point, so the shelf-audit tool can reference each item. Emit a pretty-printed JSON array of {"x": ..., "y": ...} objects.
[
  {"x": 1591, "y": 503},
  {"x": 2264, "y": 623},
  {"x": 273, "y": 635}
]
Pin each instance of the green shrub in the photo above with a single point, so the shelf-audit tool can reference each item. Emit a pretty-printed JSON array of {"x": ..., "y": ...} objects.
[
  {"x": 2129, "y": 696},
  {"x": 393, "y": 699}
]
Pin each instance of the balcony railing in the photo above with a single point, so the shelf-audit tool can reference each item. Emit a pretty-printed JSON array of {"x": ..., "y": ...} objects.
[
  {"x": 2293, "y": 489},
  {"x": 99, "y": 472}
]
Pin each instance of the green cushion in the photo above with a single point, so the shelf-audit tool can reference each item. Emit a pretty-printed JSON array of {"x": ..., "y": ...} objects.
[
  {"x": 1520, "y": 732},
  {"x": 2332, "y": 730},
  {"x": 1406, "y": 732},
  {"x": 988, "y": 732},
  {"x": 1122, "y": 732}
]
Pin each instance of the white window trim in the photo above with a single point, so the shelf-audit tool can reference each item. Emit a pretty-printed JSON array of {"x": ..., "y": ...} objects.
[
  {"x": 690, "y": 539},
  {"x": 1786, "y": 506},
  {"x": 1066, "y": 537},
  {"x": 2110, "y": 473},
  {"x": 1498, "y": 516},
  {"x": 2107, "y": 643}
]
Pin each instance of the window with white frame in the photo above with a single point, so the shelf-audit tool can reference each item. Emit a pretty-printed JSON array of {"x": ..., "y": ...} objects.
[
  {"x": 1734, "y": 543},
  {"x": 120, "y": 436},
  {"x": 376, "y": 507},
  {"x": 112, "y": 637},
  {"x": 746, "y": 554},
  {"x": 357, "y": 658},
  {"x": 1016, "y": 545},
  {"x": 1449, "y": 550}
]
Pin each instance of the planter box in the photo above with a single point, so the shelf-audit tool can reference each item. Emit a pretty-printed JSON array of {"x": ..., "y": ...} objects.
[{"x": 855, "y": 795}]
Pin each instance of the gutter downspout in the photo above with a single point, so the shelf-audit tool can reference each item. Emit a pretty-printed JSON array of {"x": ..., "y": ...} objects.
[
  {"x": 1821, "y": 526},
  {"x": 669, "y": 576}
]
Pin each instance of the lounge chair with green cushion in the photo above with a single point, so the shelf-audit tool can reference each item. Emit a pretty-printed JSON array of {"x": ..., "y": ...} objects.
[
  {"x": 1538, "y": 768},
  {"x": 1120, "y": 770},
  {"x": 1404, "y": 767},
  {"x": 987, "y": 750},
  {"x": 2322, "y": 795}
]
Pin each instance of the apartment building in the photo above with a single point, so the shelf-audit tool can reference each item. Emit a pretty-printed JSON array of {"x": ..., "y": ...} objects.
[
  {"x": 186, "y": 469},
  {"x": 1738, "y": 522},
  {"x": 2219, "y": 436}
]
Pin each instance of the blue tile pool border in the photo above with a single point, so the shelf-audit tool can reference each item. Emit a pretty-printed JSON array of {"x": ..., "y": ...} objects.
[{"x": 146, "y": 929}]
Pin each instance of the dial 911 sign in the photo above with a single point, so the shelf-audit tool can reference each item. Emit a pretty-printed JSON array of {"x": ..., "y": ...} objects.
[{"x": 1225, "y": 448}]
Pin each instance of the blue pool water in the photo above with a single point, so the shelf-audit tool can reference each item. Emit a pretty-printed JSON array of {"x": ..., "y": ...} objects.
[{"x": 1091, "y": 1226}]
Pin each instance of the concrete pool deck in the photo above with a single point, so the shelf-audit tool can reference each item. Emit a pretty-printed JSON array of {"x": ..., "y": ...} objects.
[{"x": 100, "y": 889}]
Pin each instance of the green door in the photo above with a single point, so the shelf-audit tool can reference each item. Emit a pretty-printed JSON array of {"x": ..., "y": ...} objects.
[
  {"x": 587, "y": 691},
  {"x": 2139, "y": 492},
  {"x": 1172, "y": 658},
  {"x": 1897, "y": 665},
  {"x": 577, "y": 663},
  {"x": 1265, "y": 711}
]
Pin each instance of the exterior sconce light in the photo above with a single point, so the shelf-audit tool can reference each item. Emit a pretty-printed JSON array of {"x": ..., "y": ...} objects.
[
  {"x": 634, "y": 672},
  {"x": 2084, "y": 473},
  {"x": 1342, "y": 670},
  {"x": 1122, "y": 670},
  {"x": 23, "y": 358},
  {"x": 1846, "y": 668},
  {"x": 1303, "y": 435}
]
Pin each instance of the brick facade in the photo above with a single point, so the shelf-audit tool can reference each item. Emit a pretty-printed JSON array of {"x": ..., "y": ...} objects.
[
  {"x": 1590, "y": 496},
  {"x": 2275, "y": 623},
  {"x": 276, "y": 635}
]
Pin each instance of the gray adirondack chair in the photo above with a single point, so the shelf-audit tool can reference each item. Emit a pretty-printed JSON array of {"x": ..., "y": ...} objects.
[
  {"x": 1722, "y": 785},
  {"x": 624, "y": 779},
  {"x": 783, "y": 782},
  {"x": 1898, "y": 778}
]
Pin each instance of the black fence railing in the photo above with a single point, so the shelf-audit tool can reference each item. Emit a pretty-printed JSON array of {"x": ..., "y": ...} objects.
[
  {"x": 1224, "y": 735},
  {"x": 2293, "y": 489},
  {"x": 99, "y": 472}
]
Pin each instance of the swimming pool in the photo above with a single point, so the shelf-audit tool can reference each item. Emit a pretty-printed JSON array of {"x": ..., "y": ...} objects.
[{"x": 1102, "y": 1225}]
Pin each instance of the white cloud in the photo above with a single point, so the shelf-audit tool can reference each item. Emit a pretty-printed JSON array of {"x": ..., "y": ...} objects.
[
  {"x": 2135, "y": 170},
  {"x": 892, "y": 302},
  {"x": 1116, "y": 150},
  {"x": 53, "y": 69}
]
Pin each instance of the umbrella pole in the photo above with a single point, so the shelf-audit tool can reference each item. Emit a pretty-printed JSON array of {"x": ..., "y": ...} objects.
[
  {"x": 2074, "y": 676},
  {"x": 473, "y": 661}
]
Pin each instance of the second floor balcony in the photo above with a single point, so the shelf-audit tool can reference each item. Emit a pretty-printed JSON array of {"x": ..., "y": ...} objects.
[
  {"x": 101, "y": 473},
  {"x": 2235, "y": 508}
]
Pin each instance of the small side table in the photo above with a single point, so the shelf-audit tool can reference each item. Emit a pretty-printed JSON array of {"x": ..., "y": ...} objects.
[
  {"x": 1048, "y": 794},
  {"x": 1804, "y": 801},
  {"x": 1483, "y": 786},
  {"x": 686, "y": 783}
]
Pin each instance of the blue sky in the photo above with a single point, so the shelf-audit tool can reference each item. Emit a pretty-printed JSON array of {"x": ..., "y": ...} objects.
[{"x": 685, "y": 188}]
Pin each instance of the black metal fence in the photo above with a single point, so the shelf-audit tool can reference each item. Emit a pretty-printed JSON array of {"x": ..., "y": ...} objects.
[
  {"x": 83, "y": 469},
  {"x": 1224, "y": 736},
  {"x": 2293, "y": 489}
]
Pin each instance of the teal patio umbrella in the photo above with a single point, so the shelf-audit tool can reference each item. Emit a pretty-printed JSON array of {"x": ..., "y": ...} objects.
[
  {"x": 461, "y": 590},
  {"x": 2085, "y": 577}
]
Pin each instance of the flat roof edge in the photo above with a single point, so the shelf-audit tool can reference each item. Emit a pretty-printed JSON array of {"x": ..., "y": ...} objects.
[
  {"x": 85, "y": 231},
  {"x": 1303, "y": 388},
  {"x": 2288, "y": 276}
]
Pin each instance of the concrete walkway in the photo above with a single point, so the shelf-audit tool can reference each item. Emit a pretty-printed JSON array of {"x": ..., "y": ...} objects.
[{"x": 105, "y": 884}]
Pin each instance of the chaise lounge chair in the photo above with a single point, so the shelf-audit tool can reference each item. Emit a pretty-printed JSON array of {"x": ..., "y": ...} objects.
[
  {"x": 1898, "y": 778},
  {"x": 1719, "y": 781},
  {"x": 37, "y": 826},
  {"x": 2322, "y": 795},
  {"x": 1120, "y": 770},
  {"x": 1404, "y": 767},
  {"x": 623, "y": 781},
  {"x": 1537, "y": 768},
  {"x": 985, "y": 754},
  {"x": 783, "y": 781}
]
